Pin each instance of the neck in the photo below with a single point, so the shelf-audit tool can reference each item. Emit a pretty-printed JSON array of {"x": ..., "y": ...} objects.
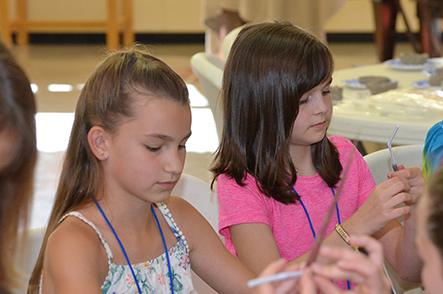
[
  {"x": 129, "y": 213},
  {"x": 302, "y": 160}
]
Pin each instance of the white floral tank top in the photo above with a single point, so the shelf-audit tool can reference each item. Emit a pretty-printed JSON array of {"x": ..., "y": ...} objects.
[{"x": 153, "y": 275}]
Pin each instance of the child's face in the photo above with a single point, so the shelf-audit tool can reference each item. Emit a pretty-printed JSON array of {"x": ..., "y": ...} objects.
[
  {"x": 432, "y": 271},
  {"x": 313, "y": 117},
  {"x": 147, "y": 154}
]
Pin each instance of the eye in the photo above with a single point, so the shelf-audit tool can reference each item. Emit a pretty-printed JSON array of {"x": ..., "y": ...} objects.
[
  {"x": 153, "y": 149},
  {"x": 304, "y": 100},
  {"x": 326, "y": 92},
  {"x": 180, "y": 147}
]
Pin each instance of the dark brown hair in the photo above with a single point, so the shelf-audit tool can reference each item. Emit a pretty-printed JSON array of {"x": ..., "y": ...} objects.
[
  {"x": 269, "y": 68},
  {"x": 106, "y": 100},
  {"x": 435, "y": 209},
  {"x": 17, "y": 118}
]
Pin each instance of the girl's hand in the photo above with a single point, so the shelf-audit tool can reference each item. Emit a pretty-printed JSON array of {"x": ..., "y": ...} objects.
[
  {"x": 381, "y": 206},
  {"x": 416, "y": 180},
  {"x": 366, "y": 271},
  {"x": 284, "y": 287}
]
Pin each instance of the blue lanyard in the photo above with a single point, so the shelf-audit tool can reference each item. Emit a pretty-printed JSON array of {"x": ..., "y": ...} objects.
[
  {"x": 310, "y": 222},
  {"x": 307, "y": 213},
  {"x": 126, "y": 255}
]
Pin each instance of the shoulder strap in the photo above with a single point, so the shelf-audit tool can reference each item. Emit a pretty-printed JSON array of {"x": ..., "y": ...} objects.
[
  {"x": 100, "y": 235},
  {"x": 173, "y": 225}
]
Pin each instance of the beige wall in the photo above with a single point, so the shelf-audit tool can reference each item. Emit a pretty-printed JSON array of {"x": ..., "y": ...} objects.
[
  {"x": 357, "y": 16},
  {"x": 183, "y": 16}
]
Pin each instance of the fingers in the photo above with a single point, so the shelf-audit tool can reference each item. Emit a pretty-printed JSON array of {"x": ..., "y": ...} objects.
[
  {"x": 415, "y": 178},
  {"x": 395, "y": 185},
  {"x": 284, "y": 287},
  {"x": 365, "y": 271},
  {"x": 353, "y": 264},
  {"x": 407, "y": 173},
  {"x": 306, "y": 283},
  {"x": 273, "y": 268},
  {"x": 326, "y": 286}
]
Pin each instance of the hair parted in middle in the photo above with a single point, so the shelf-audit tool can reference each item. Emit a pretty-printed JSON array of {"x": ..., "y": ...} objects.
[{"x": 269, "y": 68}]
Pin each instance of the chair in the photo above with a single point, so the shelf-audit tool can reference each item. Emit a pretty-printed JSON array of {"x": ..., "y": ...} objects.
[
  {"x": 229, "y": 40},
  {"x": 209, "y": 70},
  {"x": 379, "y": 163},
  {"x": 199, "y": 194}
]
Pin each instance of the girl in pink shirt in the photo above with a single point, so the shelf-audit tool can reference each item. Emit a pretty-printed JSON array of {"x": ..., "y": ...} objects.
[{"x": 277, "y": 172}]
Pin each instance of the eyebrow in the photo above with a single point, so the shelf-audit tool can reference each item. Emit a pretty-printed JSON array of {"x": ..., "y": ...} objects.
[{"x": 167, "y": 138}]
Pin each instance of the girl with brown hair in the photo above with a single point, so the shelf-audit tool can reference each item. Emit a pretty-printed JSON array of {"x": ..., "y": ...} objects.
[
  {"x": 278, "y": 172},
  {"x": 114, "y": 227},
  {"x": 18, "y": 155}
]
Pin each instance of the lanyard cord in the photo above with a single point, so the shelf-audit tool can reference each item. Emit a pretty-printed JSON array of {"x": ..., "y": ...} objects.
[
  {"x": 307, "y": 213},
  {"x": 166, "y": 250},
  {"x": 124, "y": 251},
  {"x": 310, "y": 222}
]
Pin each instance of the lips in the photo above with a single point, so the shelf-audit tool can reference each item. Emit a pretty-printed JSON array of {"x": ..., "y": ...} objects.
[
  {"x": 319, "y": 125},
  {"x": 167, "y": 185}
]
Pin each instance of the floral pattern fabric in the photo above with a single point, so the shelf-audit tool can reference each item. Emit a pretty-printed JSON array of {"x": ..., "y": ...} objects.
[{"x": 152, "y": 275}]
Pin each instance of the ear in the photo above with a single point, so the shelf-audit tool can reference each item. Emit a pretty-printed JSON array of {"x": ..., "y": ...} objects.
[{"x": 97, "y": 142}]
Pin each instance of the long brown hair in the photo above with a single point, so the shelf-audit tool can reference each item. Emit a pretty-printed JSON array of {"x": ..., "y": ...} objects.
[
  {"x": 106, "y": 100},
  {"x": 435, "y": 209},
  {"x": 269, "y": 68},
  {"x": 17, "y": 118}
]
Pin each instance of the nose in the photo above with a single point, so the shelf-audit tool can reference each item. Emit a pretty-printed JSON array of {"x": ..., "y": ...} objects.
[
  {"x": 175, "y": 162},
  {"x": 321, "y": 103}
]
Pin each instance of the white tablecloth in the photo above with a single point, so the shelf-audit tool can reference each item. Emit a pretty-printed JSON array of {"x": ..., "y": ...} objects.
[{"x": 365, "y": 124}]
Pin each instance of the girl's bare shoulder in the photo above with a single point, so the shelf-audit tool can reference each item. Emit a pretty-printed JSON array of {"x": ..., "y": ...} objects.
[{"x": 76, "y": 243}]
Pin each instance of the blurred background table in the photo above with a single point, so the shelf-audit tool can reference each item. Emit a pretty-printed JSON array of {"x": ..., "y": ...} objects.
[{"x": 360, "y": 124}]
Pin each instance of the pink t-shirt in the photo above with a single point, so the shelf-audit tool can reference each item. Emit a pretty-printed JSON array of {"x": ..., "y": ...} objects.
[{"x": 289, "y": 223}]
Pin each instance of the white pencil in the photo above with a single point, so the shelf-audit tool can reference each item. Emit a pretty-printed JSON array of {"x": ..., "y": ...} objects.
[{"x": 274, "y": 278}]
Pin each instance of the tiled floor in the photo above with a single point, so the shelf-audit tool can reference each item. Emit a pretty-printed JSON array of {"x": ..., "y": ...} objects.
[{"x": 69, "y": 66}]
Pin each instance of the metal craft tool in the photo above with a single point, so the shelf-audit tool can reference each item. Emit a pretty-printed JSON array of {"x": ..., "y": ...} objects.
[{"x": 394, "y": 165}]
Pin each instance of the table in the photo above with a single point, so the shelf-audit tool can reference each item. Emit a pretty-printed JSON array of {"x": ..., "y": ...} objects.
[{"x": 376, "y": 126}]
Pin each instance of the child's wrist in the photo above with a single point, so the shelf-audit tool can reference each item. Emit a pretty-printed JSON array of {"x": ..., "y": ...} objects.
[{"x": 344, "y": 235}]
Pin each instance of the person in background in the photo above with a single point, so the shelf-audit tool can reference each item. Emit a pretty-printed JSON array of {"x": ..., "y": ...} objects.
[
  {"x": 222, "y": 16},
  {"x": 18, "y": 155},
  {"x": 433, "y": 150}
]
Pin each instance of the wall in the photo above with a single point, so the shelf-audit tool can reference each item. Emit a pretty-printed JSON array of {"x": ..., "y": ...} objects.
[{"x": 183, "y": 16}]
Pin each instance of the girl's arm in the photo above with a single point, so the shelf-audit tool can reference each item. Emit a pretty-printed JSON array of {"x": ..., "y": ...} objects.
[
  {"x": 404, "y": 257},
  {"x": 75, "y": 261},
  {"x": 398, "y": 241},
  {"x": 256, "y": 246},
  {"x": 209, "y": 257}
]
